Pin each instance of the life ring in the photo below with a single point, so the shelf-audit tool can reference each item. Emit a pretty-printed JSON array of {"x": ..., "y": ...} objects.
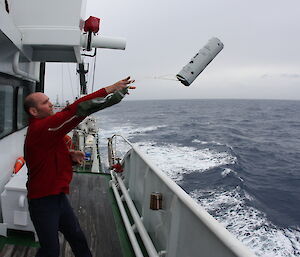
[
  {"x": 69, "y": 143},
  {"x": 19, "y": 164}
]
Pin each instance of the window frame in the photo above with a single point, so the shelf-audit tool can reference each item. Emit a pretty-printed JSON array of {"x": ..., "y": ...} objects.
[
  {"x": 8, "y": 127},
  {"x": 16, "y": 84}
]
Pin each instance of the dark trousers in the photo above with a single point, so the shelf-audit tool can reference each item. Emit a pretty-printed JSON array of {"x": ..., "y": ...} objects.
[{"x": 52, "y": 214}]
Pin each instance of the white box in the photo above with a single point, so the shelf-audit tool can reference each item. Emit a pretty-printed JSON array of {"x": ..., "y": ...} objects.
[{"x": 14, "y": 205}]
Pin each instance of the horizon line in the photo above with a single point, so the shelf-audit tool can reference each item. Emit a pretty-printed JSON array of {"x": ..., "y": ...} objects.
[{"x": 248, "y": 99}]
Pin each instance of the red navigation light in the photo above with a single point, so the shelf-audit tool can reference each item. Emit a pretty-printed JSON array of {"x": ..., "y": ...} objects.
[{"x": 92, "y": 24}]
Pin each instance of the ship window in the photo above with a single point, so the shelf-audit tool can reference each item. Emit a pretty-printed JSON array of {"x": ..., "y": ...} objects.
[
  {"x": 22, "y": 116},
  {"x": 6, "y": 110}
]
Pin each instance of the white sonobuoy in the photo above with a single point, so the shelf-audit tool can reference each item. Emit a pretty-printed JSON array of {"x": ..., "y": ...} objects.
[{"x": 199, "y": 62}]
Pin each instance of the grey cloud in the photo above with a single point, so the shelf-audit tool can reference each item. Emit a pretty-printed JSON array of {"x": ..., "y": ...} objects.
[
  {"x": 290, "y": 75},
  {"x": 282, "y": 75}
]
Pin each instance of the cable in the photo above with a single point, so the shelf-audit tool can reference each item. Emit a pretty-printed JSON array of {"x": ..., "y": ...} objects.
[
  {"x": 62, "y": 84},
  {"x": 93, "y": 81},
  {"x": 71, "y": 83}
]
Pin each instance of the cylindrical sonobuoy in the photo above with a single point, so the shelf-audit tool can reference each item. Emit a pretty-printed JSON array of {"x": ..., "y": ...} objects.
[{"x": 199, "y": 62}]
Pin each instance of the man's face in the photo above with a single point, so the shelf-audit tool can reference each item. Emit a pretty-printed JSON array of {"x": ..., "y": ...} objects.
[{"x": 43, "y": 107}]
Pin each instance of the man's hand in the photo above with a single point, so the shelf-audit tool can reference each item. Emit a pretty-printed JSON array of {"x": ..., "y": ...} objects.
[
  {"x": 77, "y": 156},
  {"x": 119, "y": 85}
]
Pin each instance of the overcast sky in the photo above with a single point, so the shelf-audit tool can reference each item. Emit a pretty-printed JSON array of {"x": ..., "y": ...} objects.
[{"x": 260, "y": 59}]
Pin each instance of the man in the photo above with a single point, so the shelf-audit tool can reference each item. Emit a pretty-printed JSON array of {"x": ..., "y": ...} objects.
[{"x": 49, "y": 163}]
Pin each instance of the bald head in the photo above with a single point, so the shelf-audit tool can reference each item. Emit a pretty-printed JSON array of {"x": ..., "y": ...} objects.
[
  {"x": 38, "y": 105},
  {"x": 29, "y": 102}
]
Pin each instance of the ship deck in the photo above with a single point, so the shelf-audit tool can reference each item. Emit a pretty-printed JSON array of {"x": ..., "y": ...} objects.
[{"x": 94, "y": 204}]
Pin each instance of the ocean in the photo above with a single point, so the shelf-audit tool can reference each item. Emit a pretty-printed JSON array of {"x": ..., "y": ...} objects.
[{"x": 239, "y": 159}]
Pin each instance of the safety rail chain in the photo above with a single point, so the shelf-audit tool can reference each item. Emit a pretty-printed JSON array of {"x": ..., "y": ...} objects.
[{"x": 117, "y": 184}]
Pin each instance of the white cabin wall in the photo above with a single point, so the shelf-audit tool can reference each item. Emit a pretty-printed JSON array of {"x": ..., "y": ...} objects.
[
  {"x": 49, "y": 22},
  {"x": 11, "y": 42},
  {"x": 47, "y": 14}
]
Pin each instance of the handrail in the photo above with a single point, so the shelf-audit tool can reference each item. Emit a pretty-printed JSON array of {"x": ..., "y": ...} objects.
[
  {"x": 137, "y": 219},
  {"x": 111, "y": 154},
  {"x": 131, "y": 235},
  {"x": 18, "y": 71},
  {"x": 125, "y": 139},
  {"x": 138, "y": 224}
]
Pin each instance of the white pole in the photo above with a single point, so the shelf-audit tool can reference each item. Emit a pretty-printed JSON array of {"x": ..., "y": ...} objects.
[{"x": 104, "y": 42}]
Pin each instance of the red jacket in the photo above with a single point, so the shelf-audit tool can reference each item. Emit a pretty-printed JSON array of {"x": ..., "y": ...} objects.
[{"x": 46, "y": 153}]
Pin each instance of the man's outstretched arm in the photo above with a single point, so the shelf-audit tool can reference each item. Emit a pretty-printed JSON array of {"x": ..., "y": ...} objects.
[{"x": 63, "y": 122}]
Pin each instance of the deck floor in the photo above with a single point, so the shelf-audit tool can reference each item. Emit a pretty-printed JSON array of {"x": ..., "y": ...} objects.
[{"x": 90, "y": 199}]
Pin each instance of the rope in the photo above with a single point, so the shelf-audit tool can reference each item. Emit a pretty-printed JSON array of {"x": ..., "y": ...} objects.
[
  {"x": 171, "y": 77},
  {"x": 166, "y": 77}
]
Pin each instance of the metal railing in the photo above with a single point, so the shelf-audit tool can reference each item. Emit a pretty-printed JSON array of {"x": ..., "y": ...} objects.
[
  {"x": 117, "y": 185},
  {"x": 181, "y": 227}
]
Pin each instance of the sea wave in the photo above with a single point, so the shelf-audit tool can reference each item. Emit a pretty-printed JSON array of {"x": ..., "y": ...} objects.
[
  {"x": 128, "y": 130},
  {"x": 176, "y": 161},
  {"x": 248, "y": 224}
]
